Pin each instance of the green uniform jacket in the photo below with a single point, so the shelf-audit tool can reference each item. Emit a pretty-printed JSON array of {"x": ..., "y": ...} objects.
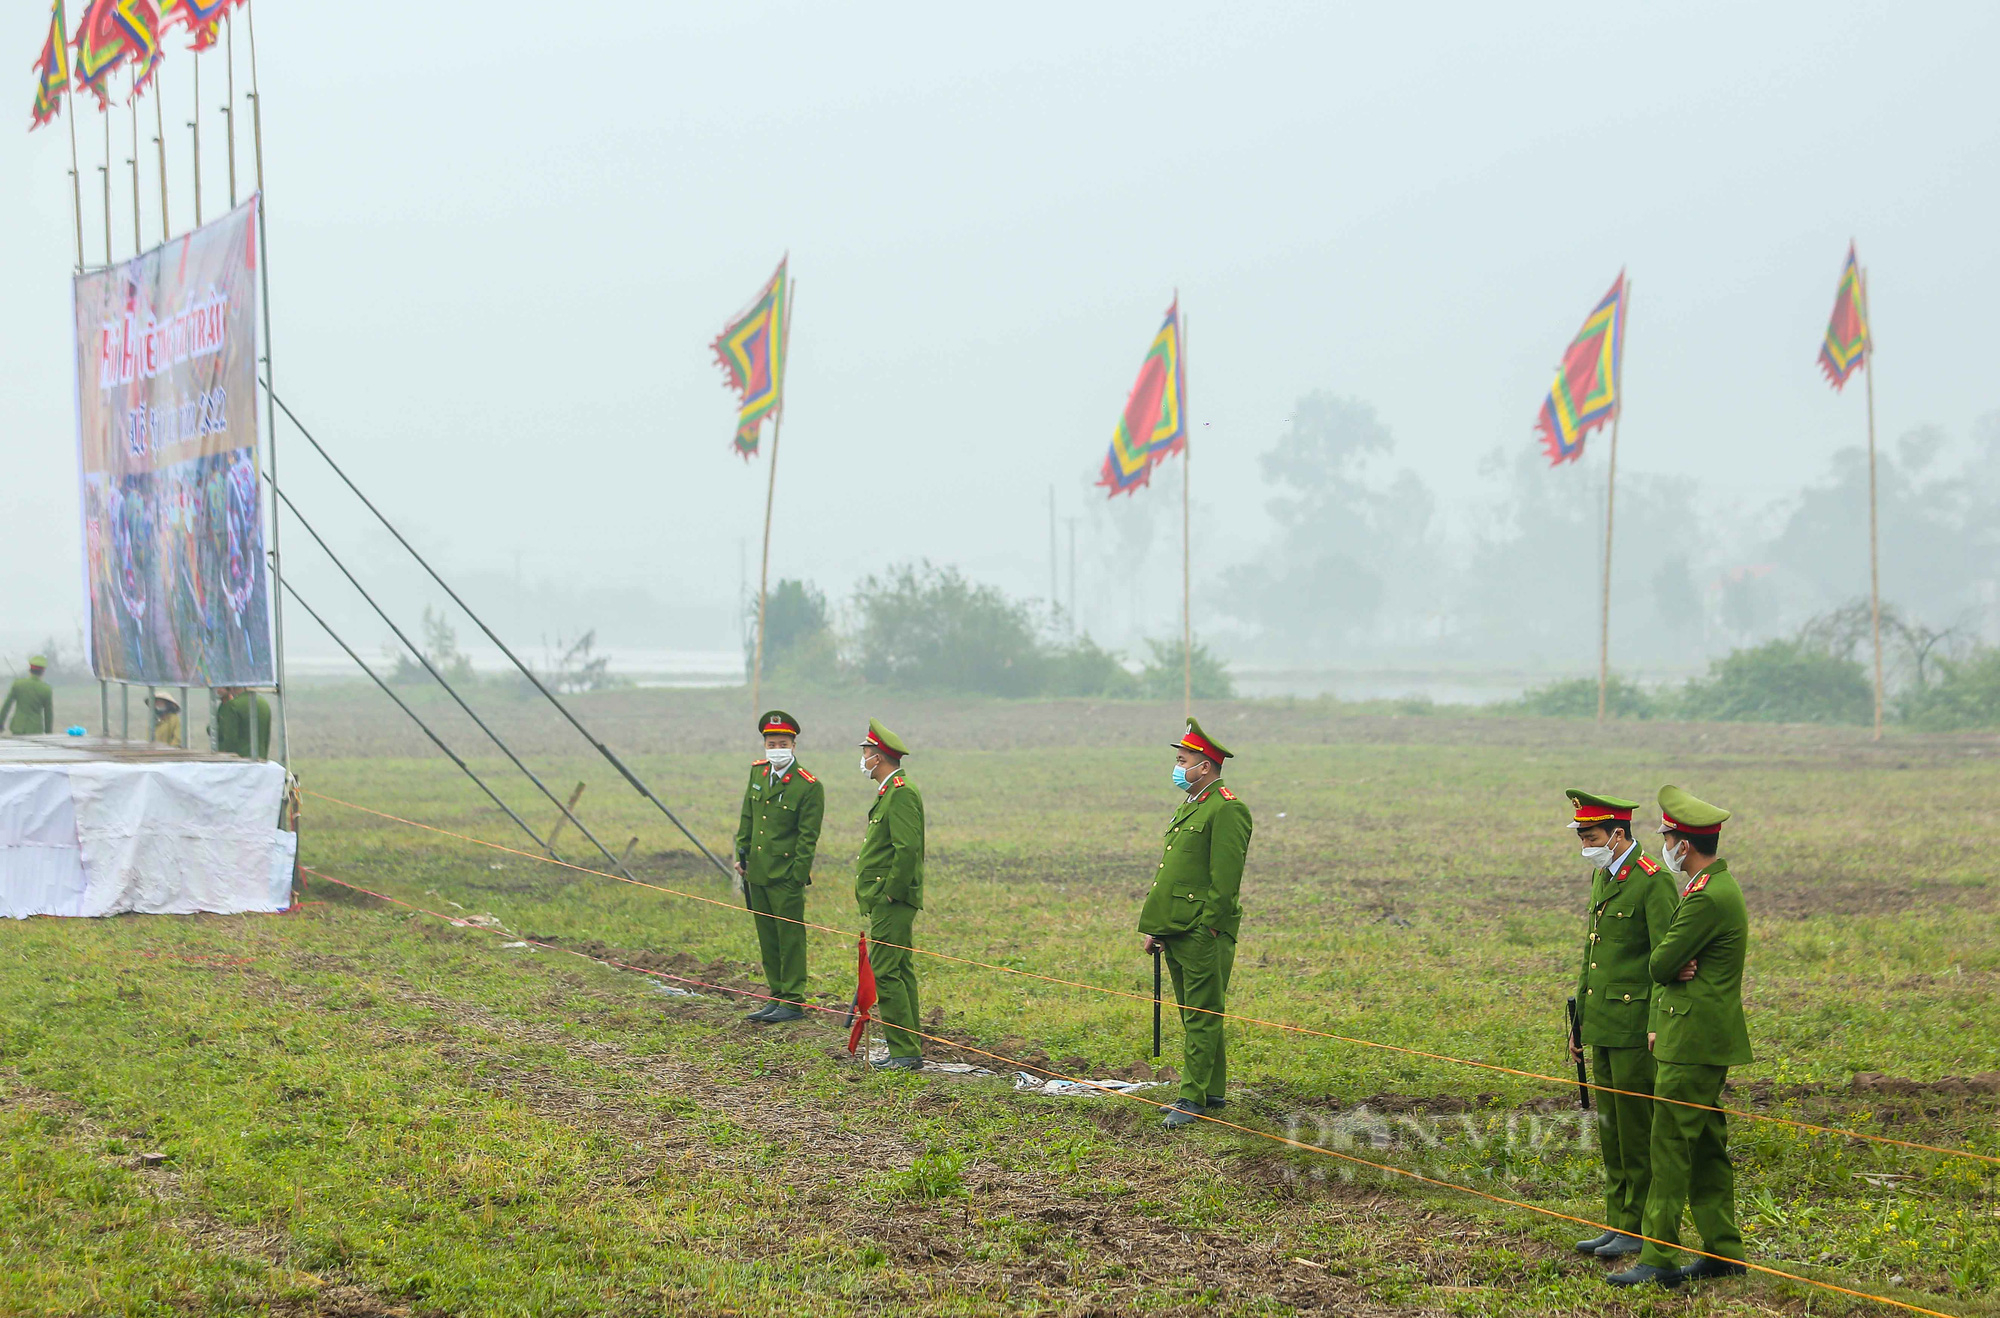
[
  {"x": 891, "y": 863},
  {"x": 1201, "y": 872},
  {"x": 232, "y": 726},
  {"x": 34, "y": 706},
  {"x": 1629, "y": 912},
  {"x": 779, "y": 830},
  {"x": 1700, "y": 1023}
]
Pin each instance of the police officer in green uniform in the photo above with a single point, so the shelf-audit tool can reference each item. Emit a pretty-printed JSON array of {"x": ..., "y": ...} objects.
[
  {"x": 1192, "y": 915},
  {"x": 1698, "y": 1034},
  {"x": 1632, "y": 901},
  {"x": 234, "y": 723},
  {"x": 889, "y": 888},
  {"x": 775, "y": 839},
  {"x": 31, "y": 701}
]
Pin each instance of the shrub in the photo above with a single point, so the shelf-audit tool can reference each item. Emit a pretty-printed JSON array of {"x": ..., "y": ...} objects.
[
  {"x": 1783, "y": 681},
  {"x": 1165, "y": 676},
  {"x": 1084, "y": 668},
  {"x": 796, "y": 628},
  {"x": 1966, "y": 694},
  {"x": 927, "y": 628},
  {"x": 1576, "y": 697}
]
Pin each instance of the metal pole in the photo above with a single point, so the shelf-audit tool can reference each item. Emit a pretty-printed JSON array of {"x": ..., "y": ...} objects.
[
  {"x": 75, "y": 178},
  {"x": 1187, "y": 553},
  {"x": 771, "y": 488},
  {"x": 103, "y": 708},
  {"x": 124, "y": 711},
  {"x": 160, "y": 143},
  {"x": 281, "y": 740},
  {"x": 1072, "y": 576},
  {"x": 152, "y": 711},
  {"x": 437, "y": 741},
  {"x": 195, "y": 125},
  {"x": 1055, "y": 595},
  {"x": 527, "y": 674},
  {"x": 1610, "y": 494},
  {"x": 229, "y": 110},
  {"x": 138, "y": 236},
  {"x": 184, "y": 718},
  {"x": 1874, "y": 561},
  {"x": 104, "y": 113}
]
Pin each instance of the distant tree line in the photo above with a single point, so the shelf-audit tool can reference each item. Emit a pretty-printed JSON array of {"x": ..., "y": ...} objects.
[
  {"x": 1939, "y": 680},
  {"x": 921, "y": 627}
]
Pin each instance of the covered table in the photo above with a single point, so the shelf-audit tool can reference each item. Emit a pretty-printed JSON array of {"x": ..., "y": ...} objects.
[{"x": 96, "y": 826}]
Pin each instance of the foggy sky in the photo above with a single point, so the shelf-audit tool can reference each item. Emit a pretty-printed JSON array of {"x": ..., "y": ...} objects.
[{"x": 499, "y": 250}]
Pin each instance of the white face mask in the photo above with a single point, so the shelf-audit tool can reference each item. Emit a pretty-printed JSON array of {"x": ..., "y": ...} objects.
[
  {"x": 1668, "y": 856},
  {"x": 1599, "y": 857},
  {"x": 781, "y": 759},
  {"x": 864, "y": 767}
]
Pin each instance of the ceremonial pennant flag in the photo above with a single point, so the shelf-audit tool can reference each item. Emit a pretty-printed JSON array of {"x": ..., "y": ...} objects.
[
  {"x": 202, "y": 19},
  {"x": 864, "y": 998},
  {"x": 1845, "y": 350},
  {"x": 52, "y": 70},
  {"x": 751, "y": 350},
  {"x": 101, "y": 45},
  {"x": 1585, "y": 394},
  {"x": 141, "y": 21},
  {"x": 1151, "y": 428}
]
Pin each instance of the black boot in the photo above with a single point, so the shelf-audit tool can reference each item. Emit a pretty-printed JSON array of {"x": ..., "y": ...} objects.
[
  {"x": 779, "y": 1012},
  {"x": 1620, "y": 1246},
  {"x": 1591, "y": 1245},
  {"x": 1702, "y": 1269},
  {"x": 1641, "y": 1273}
]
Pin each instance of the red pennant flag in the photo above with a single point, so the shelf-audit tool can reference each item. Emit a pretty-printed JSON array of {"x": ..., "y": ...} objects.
[{"x": 864, "y": 998}]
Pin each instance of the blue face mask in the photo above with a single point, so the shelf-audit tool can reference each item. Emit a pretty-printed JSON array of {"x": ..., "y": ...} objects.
[{"x": 1181, "y": 779}]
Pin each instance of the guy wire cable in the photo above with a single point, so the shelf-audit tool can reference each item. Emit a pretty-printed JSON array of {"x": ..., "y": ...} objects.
[
  {"x": 1223, "y": 1015},
  {"x": 526, "y": 672},
  {"x": 437, "y": 741},
  {"x": 1031, "y": 1068},
  {"x": 449, "y": 689}
]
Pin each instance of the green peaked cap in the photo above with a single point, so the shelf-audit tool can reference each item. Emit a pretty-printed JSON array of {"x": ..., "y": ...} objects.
[
  {"x": 1577, "y": 796},
  {"x": 882, "y": 737},
  {"x": 1684, "y": 812},
  {"x": 1594, "y": 811},
  {"x": 38, "y": 661},
  {"x": 1194, "y": 739},
  {"x": 777, "y": 721}
]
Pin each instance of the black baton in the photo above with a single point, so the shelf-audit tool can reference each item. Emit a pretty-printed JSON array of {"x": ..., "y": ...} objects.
[
  {"x": 1576, "y": 1042},
  {"x": 1156, "y": 1001}
]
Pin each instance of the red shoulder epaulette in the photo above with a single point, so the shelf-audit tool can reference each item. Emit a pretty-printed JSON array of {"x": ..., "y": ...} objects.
[
  {"x": 1648, "y": 864},
  {"x": 755, "y": 763},
  {"x": 1700, "y": 882},
  {"x": 1227, "y": 795},
  {"x": 808, "y": 777},
  {"x": 897, "y": 781}
]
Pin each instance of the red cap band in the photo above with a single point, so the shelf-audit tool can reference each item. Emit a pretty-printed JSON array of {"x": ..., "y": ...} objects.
[
  {"x": 1602, "y": 814},
  {"x": 1201, "y": 745},
  {"x": 1673, "y": 825}
]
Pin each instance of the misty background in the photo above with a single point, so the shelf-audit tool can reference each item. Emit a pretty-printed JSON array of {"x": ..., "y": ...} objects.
[{"x": 499, "y": 251}]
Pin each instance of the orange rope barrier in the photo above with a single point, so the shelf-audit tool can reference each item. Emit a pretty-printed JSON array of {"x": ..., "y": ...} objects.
[
  {"x": 1223, "y": 1015},
  {"x": 1275, "y": 1138}
]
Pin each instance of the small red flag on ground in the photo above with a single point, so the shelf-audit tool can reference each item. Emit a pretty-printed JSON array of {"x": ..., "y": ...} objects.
[{"x": 864, "y": 998}]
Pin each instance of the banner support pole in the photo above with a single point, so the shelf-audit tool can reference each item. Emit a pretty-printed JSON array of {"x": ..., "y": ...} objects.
[
  {"x": 104, "y": 113},
  {"x": 281, "y": 738},
  {"x": 1874, "y": 560},
  {"x": 160, "y": 143},
  {"x": 195, "y": 125},
  {"x": 771, "y": 487},
  {"x": 1187, "y": 555},
  {"x": 1610, "y": 499},
  {"x": 229, "y": 110},
  {"x": 132, "y": 102},
  {"x": 75, "y": 177}
]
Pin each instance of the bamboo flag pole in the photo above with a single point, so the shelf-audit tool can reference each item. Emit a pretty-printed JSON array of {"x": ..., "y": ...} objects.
[
  {"x": 282, "y": 740},
  {"x": 1874, "y": 560},
  {"x": 194, "y": 126},
  {"x": 138, "y": 236},
  {"x": 1187, "y": 557},
  {"x": 75, "y": 176},
  {"x": 160, "y": 143},
  {"x": 1610, "y": 499},
  {"x": 771, "y": 488},
  {"x": 229, "y": 108}
]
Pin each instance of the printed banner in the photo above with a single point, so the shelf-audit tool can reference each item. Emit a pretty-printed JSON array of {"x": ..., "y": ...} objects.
[{"x": 173, "y": 526}]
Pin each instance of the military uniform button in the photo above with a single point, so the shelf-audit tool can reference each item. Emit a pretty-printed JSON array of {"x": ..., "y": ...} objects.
[
  {"x": 1593, "y": 965},
  {"x": 1628, "y": 997},
  {"x": 1588, "y": 992}
]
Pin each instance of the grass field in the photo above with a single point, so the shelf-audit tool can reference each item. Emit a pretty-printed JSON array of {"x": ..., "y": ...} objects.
[{"x": 356, "y": 1109}]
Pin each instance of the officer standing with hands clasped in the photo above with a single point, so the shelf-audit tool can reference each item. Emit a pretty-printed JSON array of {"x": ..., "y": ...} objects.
[
  {"x": 1698, "y": 1033},
  {"x": 1193, "y": 913},
  {"x": 889, "y": 888},
  {"x": 775, "y": 839},
  {"x": 1632, "y": 902}
]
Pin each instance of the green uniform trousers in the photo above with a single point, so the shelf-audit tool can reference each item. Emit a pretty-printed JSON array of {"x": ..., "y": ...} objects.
[
  {"x": 895, "y": 974},
  {"x": 1624, "y": 1133},
  {"x": 1690, "y": 1166},
  {"x": 781, "y": 940},
  {"x": 1199, "y": 963}
]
